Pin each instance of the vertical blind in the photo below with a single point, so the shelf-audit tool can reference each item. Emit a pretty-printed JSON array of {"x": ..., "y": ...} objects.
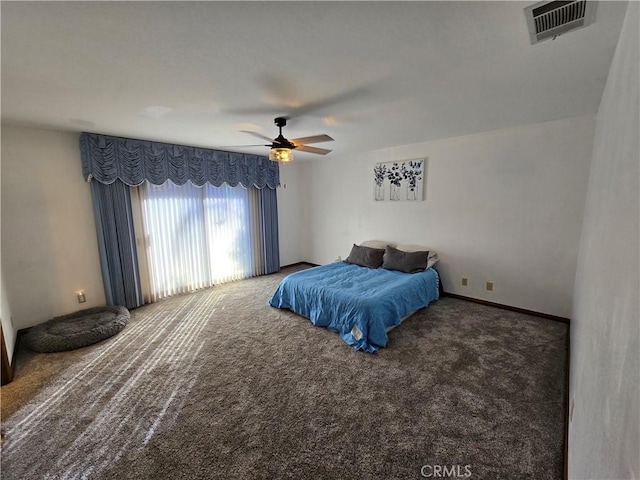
[{"x": 196, "y": 237}]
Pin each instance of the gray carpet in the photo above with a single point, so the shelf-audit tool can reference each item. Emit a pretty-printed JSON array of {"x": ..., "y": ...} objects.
[{"x": 218, "y": 385}]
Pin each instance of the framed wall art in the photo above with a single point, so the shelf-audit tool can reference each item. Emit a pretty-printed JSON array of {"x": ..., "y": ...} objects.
[{"x": 401, "y": 181}]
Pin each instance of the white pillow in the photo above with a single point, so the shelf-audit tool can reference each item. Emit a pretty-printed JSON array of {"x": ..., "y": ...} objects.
[
  {"x": 432, "y": 259},
  {"x": 377, "y": 244}
]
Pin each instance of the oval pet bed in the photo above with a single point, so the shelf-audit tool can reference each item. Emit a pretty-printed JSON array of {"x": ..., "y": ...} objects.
[{"x": 77, "y": 329}]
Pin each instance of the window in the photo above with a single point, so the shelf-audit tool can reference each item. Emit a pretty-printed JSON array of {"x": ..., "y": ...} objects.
[{"x": 195, "y": 237}]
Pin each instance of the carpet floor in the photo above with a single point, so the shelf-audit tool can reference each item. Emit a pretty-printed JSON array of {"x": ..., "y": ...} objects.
[{"x": 219, "y": 385}]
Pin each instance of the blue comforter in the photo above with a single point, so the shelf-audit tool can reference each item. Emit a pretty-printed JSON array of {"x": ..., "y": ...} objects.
[{"x": 357, "y": 302}]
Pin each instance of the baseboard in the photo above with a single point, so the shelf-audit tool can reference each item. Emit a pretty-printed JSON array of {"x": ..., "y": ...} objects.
[
  {"x": 474, "y": 300},
  {"x": 509, "y": 307},
  {"x": 22, "y": 331}
]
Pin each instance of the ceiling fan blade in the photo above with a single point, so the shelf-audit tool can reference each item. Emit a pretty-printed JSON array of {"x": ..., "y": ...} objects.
[
  {"x": 313, "y": 139},
  {"x": 319, "y": 151},
  {"x": 348, "y": 95},
  {"x": 284, "y": 100},
  {"x": 242, "y": 146},
  {"x": 279, "y": 88},
  {"x": 270, "y": 110},
  {"x": 259, "y": 135}
]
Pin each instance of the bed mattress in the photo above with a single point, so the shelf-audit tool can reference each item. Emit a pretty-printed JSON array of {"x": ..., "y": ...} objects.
[{"x": 361, "y": 304}]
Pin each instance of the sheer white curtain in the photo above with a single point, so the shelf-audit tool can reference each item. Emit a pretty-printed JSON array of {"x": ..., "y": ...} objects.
[{"x": 195, "y": 237}]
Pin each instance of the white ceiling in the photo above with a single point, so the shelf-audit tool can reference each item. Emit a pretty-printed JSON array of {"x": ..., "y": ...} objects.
[{"x": 370, "y": 74}]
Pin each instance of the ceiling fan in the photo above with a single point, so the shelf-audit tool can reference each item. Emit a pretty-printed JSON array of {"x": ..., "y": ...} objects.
[{"x": 282, "y": 148}]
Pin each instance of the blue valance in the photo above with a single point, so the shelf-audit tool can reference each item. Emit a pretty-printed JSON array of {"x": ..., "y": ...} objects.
[{"x": 106, "y": 158}]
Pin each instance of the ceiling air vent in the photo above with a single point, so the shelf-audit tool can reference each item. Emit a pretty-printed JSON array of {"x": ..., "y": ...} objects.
[{"x": 550, "y": 19}]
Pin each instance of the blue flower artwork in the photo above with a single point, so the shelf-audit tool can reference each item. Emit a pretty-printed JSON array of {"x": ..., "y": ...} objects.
[{"x": 399, "y": 181}]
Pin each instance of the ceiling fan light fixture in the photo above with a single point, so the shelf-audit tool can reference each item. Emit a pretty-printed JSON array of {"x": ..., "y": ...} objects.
[{"x": 279, "y": 154}]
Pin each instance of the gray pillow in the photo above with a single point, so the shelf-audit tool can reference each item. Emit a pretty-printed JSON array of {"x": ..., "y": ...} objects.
[
  {"x": 408, "y": 262},
  {"x": 365, "y": 256}
]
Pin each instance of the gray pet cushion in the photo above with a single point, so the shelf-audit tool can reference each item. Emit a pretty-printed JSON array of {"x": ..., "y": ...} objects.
[
  {"x": 408, "y": 262},
  {"x": 77, "y": 329}
]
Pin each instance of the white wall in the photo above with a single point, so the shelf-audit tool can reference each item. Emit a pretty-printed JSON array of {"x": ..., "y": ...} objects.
[
  {"x": 604, "y": 434},
  {"x": 504, "y": 206},
  {"x": 8, "y": 332},
  {"x": 291, "y": 204},
  {"x": 49, "y": 247},
  {"x": 6, "y": 317}
]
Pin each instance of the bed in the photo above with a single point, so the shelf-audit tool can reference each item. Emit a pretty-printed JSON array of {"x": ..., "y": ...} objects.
[{"x": 358, "y": 302}]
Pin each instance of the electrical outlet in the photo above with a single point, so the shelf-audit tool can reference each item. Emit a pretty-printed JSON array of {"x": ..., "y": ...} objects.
[
  {"x": 339, "y": 259},
  {"x": 490, "y": 286},
  {"x": 81, "y": 296},
  {"x": 465, "y": 281}
]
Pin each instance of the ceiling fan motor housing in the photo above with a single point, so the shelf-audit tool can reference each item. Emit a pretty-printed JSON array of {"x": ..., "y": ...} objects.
[{"x": 280, "y": 141}]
